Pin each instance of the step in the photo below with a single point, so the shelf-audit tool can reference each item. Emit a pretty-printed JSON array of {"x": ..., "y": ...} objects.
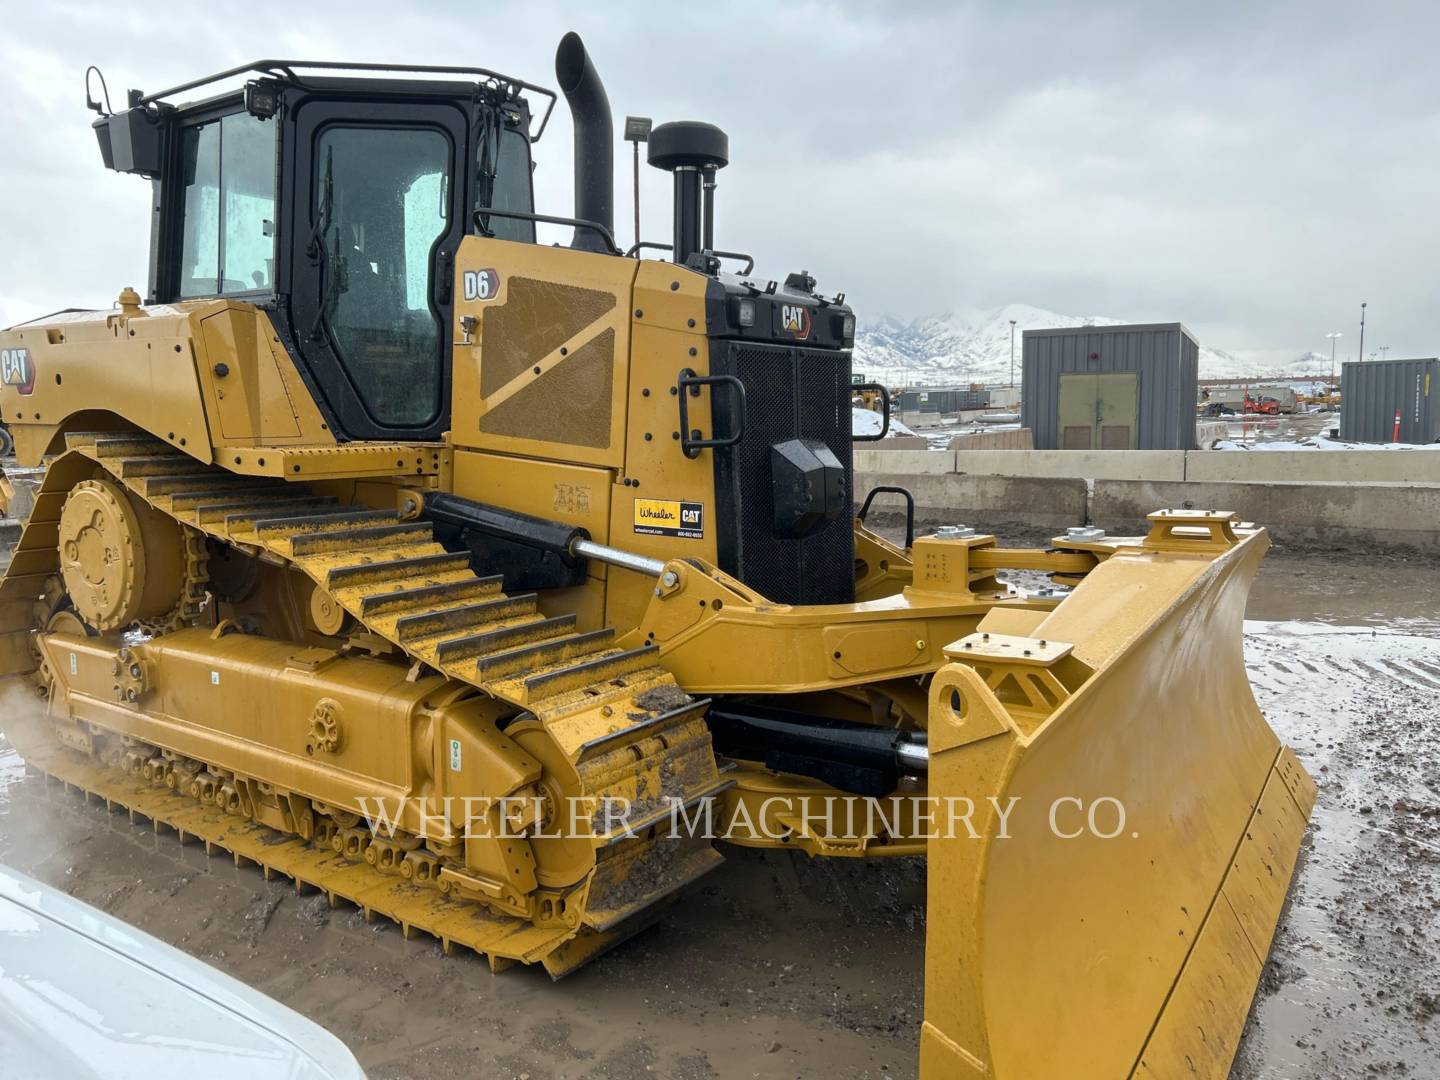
[
  {"x": 134, "y": 468},
  {"x": 601, "y": 669},
  {"x": 279, "y": 526},
  {"x": 228, "y": 501},
  {"x": 457, "y": 649},
  {"x": 217, "y": 481},
  {"x": 83, "y": 440},
  {"x": 469, "y": 617},
  {"x": 427, "y": 596},
  {"x": 542, "y": 654},
  {"x": 325, "y": 543},
  {"x": 378, "y": 573},
  {"x": 121, "y": 446}
]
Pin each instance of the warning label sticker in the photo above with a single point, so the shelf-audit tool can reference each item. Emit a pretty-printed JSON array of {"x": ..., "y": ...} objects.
[{"x": 669, "y": 517}]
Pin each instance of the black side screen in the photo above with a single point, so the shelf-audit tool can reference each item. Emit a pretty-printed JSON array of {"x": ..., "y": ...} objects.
[{"x": 791, "y": 393}]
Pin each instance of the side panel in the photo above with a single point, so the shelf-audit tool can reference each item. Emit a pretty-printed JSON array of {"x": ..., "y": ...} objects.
[
  {"x": 543, "y": 368},
  {"x": 668, "y": 336},
  {"x": 252, "y": 387}
]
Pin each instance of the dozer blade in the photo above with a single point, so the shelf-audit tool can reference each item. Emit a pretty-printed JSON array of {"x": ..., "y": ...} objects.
[{"x": 1052, "y": 950}]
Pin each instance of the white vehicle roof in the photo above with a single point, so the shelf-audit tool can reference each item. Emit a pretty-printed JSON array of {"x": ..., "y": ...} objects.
[{"x": 83, "y": 995}]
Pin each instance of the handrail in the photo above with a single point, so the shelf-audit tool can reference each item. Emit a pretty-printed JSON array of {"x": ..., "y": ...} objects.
[
  {"x": 546, "y": 219},
  {"x": 640, "y": 245},
  {"x": 286, "y": 68}
]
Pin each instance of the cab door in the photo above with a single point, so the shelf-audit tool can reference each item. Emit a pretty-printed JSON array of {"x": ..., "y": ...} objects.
[{"x": 378, "y": 195}]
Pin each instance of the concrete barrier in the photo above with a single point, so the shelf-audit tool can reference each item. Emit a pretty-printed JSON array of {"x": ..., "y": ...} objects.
[
  {"x": 1080, "y": 464},
  {"x": 1361, "y": 498},
  {"x": 1386, "y": 515},
  {"x": 1009, "y": 439},
  {"x": 1230, "y": 466},
  {"x": 988, "y": 501},
  {"x": 1313, "y": 466},
  {"x": 911, "y": 462},
  {"x": 897, "y": 442}
]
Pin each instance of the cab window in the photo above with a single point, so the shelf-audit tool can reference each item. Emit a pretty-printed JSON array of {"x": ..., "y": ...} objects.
[
  {"x": 227, "y": 207},
  {"x": 382, "y": 197},
  {"x": 503, "y": 181}
]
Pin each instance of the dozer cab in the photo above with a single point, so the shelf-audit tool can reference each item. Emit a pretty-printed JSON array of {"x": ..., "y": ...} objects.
[{"x": 495, "y": 587}]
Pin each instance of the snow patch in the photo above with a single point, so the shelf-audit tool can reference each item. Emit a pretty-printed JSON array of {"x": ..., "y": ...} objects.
[{"x": 867, "y": 422}]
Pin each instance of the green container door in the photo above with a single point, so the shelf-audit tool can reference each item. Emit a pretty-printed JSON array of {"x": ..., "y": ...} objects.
[{"x": 1099, "y": 411}]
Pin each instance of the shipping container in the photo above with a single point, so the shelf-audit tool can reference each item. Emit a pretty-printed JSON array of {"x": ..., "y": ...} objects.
[
  {"x": 1111, "y": 387},
  {"x": 941, "y": 399},
  {"x": 1374, "y": 393}
]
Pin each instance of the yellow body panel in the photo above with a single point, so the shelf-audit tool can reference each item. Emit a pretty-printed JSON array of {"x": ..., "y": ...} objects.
[
  {"x": 130, "y": 367},
  {"x": 260, "y": 400}
]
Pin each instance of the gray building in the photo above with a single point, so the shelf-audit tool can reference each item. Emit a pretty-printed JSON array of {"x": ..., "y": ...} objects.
[
  {"x": 1111, "y": 387},
  {"x": 1374, "y": 392}
]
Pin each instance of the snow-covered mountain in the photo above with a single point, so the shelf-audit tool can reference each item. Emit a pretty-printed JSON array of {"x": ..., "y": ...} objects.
[{"x": 974, "y": 346}]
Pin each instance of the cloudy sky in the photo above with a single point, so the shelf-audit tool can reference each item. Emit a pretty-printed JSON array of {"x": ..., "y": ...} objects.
[{"x": 1254, "y": 170}]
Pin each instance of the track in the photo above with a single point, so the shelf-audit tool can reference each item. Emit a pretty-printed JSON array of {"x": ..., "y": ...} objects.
[{"x": 615, "y": 715}]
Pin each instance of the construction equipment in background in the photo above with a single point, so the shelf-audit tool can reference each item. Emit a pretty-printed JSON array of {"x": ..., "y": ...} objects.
[
  {"x": 1259, "y": 401},
  {"x": 1326, "y": 398},
  {"x": 375, "y": 501},
  {"x": 872, "y": 396}
]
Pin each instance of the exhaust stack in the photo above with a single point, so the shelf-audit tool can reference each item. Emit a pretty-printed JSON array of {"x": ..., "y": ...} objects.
[{"x": 594, "y": 140}]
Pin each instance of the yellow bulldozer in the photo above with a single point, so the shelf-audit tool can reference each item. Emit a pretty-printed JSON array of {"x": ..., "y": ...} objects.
[{"x": 495, "y": 587}]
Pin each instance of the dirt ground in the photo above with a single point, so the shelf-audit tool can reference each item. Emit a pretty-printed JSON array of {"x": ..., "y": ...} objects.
[{"x": 776, "y": 966}]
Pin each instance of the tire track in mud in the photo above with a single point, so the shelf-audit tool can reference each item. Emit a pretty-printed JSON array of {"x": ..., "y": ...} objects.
[{"x": 1350, "y": 987}]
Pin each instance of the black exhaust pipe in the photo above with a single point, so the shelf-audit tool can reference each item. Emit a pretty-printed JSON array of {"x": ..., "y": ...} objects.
[{"x": 594, "y": 140}]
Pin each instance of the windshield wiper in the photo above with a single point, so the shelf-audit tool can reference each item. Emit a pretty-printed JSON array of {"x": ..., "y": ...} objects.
[
  {"x": 315, "y": 249},
  {"x": 492, "y": 128}
]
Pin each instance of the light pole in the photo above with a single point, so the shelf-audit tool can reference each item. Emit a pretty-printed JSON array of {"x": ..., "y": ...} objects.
[
  {"x": 1333, "y": 338},
  {"x": 1362, "y": 331},
  {"x": 1012, "y": 354},
  {"x": 1383, "y": 350}
]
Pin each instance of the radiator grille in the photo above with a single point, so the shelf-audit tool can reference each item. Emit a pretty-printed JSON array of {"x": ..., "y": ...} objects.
[{"x": 790, "y": 393}]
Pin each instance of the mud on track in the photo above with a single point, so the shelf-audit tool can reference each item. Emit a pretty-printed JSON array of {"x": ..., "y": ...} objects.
[{"x": 778, "y": 966}]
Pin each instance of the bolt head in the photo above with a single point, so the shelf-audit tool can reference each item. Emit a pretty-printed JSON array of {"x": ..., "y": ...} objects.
[
  {"x": 954, "y": 532},
  {"x": 669, "y": 579}
]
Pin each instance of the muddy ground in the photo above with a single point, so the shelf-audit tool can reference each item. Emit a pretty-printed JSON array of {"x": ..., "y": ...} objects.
[{"x": 775, "y": 966}]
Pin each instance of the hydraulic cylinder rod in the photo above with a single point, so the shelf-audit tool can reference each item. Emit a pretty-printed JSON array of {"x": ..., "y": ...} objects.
[{"x": 569, "y": 541}]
